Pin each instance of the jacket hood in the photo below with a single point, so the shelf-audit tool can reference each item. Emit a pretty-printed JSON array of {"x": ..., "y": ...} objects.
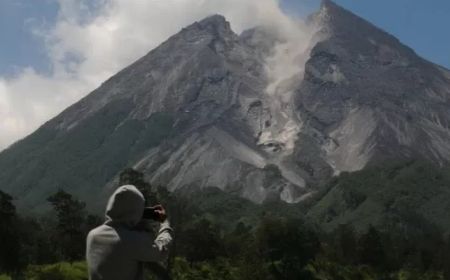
[{"x": 125, "y": 206}]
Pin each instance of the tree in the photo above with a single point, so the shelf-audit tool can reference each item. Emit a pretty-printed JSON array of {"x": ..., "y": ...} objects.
[
  {"x": 70, "y": 222},
  {"x": 130, "y": 176},
  {"x": 345, "y": 244},
  {"x": 10, "y": 243},
  {"x": 37, "y": 244},
  {"x": 289, "y": 245},
  {"x": 236, "y": 240},
  {"x": 446, "y": 263},
  {"x": 371, "y": 251},
  {"x": 201, "y": 242},
  {"x": 91, "y": 222}
]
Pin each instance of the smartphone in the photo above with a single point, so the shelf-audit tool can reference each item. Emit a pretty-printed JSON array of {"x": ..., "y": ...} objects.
[{"x": 150, "y": 214}]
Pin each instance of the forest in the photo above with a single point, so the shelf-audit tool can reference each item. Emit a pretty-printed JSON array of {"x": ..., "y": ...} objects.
[{"x": 222, "y": 236}]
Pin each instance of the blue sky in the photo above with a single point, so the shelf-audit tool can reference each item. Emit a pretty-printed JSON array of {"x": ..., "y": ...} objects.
[
  {"x": 423, "y": 25},
  {"x": 19, "y": 46}
]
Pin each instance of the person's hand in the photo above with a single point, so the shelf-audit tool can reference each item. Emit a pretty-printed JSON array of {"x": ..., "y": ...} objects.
[{"x": 159, "y": 209}]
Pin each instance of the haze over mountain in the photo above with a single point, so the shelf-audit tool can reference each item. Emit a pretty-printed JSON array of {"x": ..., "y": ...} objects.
[{"x": 265, "y": 114}]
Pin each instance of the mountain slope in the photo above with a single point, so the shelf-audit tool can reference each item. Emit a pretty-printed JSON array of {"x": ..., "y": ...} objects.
[
  {"x": 202, "y": 109},
  {"x": 402, "y": 196},
  {"x": 367, "y": 98},
  {"x": 178, "y": 114}
]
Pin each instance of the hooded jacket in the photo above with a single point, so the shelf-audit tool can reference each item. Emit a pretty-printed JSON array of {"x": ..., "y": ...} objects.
[{"x": 114, "y": 250}]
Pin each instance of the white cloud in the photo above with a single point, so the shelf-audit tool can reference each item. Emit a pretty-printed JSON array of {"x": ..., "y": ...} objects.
[{"x": 92, "y": 40}]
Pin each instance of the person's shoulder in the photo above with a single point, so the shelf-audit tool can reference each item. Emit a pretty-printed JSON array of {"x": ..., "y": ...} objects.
[
  {"x": 98, "y": 230},
  {"x": 104, "y": 233}
]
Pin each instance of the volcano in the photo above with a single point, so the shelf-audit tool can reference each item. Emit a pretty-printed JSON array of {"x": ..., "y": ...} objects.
[{"x": 203, "y": 110}]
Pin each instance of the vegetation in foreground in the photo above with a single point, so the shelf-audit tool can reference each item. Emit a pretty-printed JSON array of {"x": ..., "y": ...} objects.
[{"x": 221, "y": 236}]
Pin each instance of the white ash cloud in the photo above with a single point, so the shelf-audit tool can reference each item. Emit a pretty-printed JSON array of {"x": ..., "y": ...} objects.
[{"x": 285, "y": 70}]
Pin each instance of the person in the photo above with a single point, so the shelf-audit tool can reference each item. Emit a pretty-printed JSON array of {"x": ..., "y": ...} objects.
[{"x": 116, "y": 249}]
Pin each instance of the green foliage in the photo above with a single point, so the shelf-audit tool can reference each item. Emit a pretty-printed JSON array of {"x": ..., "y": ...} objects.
[
  {"x": 10, "y": 242},
  {"x": 344, "y": 243},
  {"x": 201, "y": 241},
  {"x": 70, "y": 211},
  {"x": 37, "y": 242},
  {"x": 325, "y": 270},
  {"x": 227, "y": 210},
  {"x": 69, "y": 234},
  {"x": 413, "y": 195},
  {"x": 287, "y": 245},
  {"x": 27, "y": 243},
  {"x": 222, "y": 236},
  {"x": 4, "y": 277},
  {"x": 58, "y": 271},
  {"x": 371, "y": 248},
  {"x": 132, "y": 177},
  {"x": 7, "y": 208},
  {"x": 219, "y": 269}
]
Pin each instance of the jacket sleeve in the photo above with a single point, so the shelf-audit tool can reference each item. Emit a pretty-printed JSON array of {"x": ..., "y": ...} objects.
[{"x": 147, "y": 249}]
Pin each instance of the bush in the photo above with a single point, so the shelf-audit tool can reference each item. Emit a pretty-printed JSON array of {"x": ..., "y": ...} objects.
[
  {"x": 219, "y": 269},
  {"x": 58, "y": 271}
]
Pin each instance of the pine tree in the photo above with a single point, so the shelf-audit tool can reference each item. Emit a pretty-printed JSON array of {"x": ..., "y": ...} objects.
[
  {"x": 130, "y": 176},
  {"x": 70, "y": 224},
  {"x": 371, "y": 251},
  {"x": 9, "y": 238},
  {"x": 345, "y": 244}
]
